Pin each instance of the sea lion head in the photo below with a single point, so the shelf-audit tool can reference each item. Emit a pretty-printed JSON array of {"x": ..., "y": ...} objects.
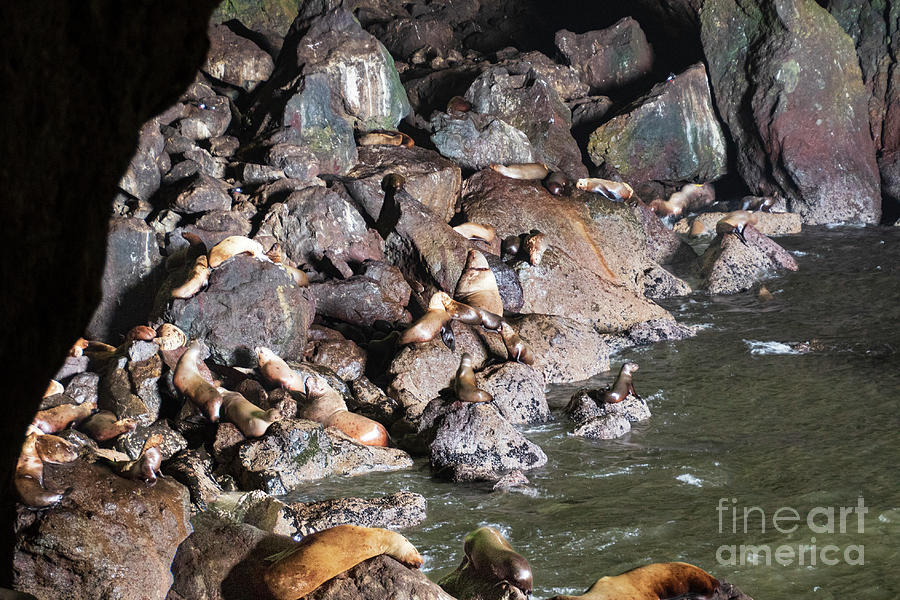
[{"x": 630, "y": 368}]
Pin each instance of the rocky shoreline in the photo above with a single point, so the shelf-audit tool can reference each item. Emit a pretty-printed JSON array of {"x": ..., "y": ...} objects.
[{"x": 311, "y": 197}]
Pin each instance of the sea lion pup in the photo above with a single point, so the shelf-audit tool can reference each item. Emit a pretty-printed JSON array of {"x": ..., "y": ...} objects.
[
  {"x": 491, "y": 556},
  {"x": 535, "y": 245},
  {"x": 434, "y": 321},
  {"x": 320, "y": 556},
  {"x": 522, "y": 170},
  {"x": 188, "y": 381},
  {"x": 558, "y": 184},
  {"x": 59, "y": 417},
  {"x": 477, "y": 286},
  {"x": 623, "y": 386},
  {"x": 326, "y": 405},
  {"x": 104, "y": 425},
  {"x": 170, "y": 337},
  {"x": 249, "y": 418},
  {"x": 53, "y": 389},
  {"x": 735, "y": 222},
  {"x": 464, "y": 384},
  {"x": 381, "y": 137},
  {"x": 29, "y": 474},
  {"x": 147, "y": 464},
  {"x": 277, "y": 372},
  {"x": 232, "y": 246},
  {"x": 476, "y": 231},
  {"x": 198, "y": 278},
  {"x": 516, "y": 348},
  {"x": 651, "y": 582},
  {"x": 614, "y": 190}
]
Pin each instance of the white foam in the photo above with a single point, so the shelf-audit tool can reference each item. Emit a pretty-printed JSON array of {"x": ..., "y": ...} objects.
[
  {"x": 758, "y": 348},
  {"x": 690, "y": 479}
]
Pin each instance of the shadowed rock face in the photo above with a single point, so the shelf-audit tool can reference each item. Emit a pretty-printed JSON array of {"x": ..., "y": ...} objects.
[{"x": 80, "y": 85}]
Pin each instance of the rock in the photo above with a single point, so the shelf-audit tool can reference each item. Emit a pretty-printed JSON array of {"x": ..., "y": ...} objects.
[
  {"x": 474, "y": 442},
  {"x": 430, "y": 91},
  {"x": 768, "y": 223},
  {"x": 222, "y": 559},
  {"x": 474, "y": 141},
  {"x": 521, "y": 97},
  {"x": 248, "y": 303},
  {"x": 369, "y": 400},
  {"x": 224, "y": 145},
  {"x": 114, "y": 394},
  {"x": 193, "y": 469},
  {"x": 71, "y": 367},
  {"x": 316, "y": 220},
  {"x": 201, "y": 193},
  {"x": 466, "y": 582},
  {"x": 145, "y": 374},
  {"x": 142, "y": 178},
  {"x": 110, "y": 538},
  {"x": 518, "y": 392},
  {"x": 206, "y": 118},
  {"x": 343, "y": 357},
  {"x": 227, "y": 222},
  {"x": 562, "y": 78},
  {"x": 236, "y": 60},
  {"x": 565, "y": 350},
  {"x": 266, "y": 16},
  {"x": 671, "y": 134},
  {"x": 208, "y": 164},
  {"x": 729, "y": 266},
  {"x": 659, "y": 284},
  {"x": 889, "y": 165},
  {"x": 657, "y": 330},
  {"x": 83, "y": 387},
  {"x": 380, "y": 294},
  {"x": 295, "y": 451},
  {"x": 130, "y": 275},
  {"x": 172, "y": 441},
  {"x": 632, "y": 408},
  {"x": 663, "y": 245},
  {"x": 610, "y": 58},
  {"x": 403, "y": 37},
  {"x": 589, "y": 111},
  {"x": 379, "y": 577},
  {"x": 788, "y": 85},
  {"x": 604, "y": 427},
  {"x": 296, "y": 162},
  {"x": 581, "y": 407},
  {"x": 511, "y": 481},
  {"x": 431, "y": 179}
]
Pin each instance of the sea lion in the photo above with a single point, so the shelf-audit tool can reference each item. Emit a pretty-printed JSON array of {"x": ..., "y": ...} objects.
[
  {"x": 142, "y": 333},
  {"x": 59, "y": 417},
  {"x": 434, "y": 321},
  {"x": 104, "y": 425},
  {"x": 764, "y": 294},
  {"x": 464, "y": 384},
  {"x": 277, "y": 372},
  {"x": 385, "y": 138},
  {"x": 510, "y": 246},
  {"x": 197, "y": 279},
  {"x": 492, "y": 557},
  {"x": 623, "y": 386},
  {"x": 652, "y": 582},
  {"x": 516, "y": 348},
  {"x": 232, "y": 246},
  {"x": 277, "y": 256},
  {"x": 558, "y": 184},
  {"x": 188, "y": 381},
  {"x": 29, "y": 474},
  {"x": 170, "y": 337},
  {"x": 458, "y": 104},
  {"x": 53, "y": 388},
  {"x": 535, "y": 246},
  {"x": 613, "y": 190},
  {"x": 698, "y": 228},
  {"x": 477, "y": 286},
  {"x": 147, "y": 464},
  {"x": 320, "y": 556},
  {"x": 522, "y": 170},
  {"x": 476, "y": 231},
  {"x": 249, "y": 418},
  {"x": 735, "y": 222},
  {"x": 326, "y": 405}
]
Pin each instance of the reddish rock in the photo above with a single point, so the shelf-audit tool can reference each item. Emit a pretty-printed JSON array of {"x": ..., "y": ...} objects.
[
  {"x": 565, "y": 350},
  {"x": 729, "y": 266}
]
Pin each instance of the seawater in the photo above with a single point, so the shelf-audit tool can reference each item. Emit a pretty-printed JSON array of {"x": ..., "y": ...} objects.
[{"x": 743, "y": 418}]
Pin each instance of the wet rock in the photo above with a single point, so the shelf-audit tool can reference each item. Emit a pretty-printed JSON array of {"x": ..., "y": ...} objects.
[
  {"x": 429, "y": 178},
  {"x": 248, "y": 303},
  {"x": 222, "y": 559},
  {"x": 201, "y": 193},
  {"x": 380, "y": 577},
  {"x": 663, "y": 245},
  {"x": 511, "y": 481},
  {"x": 610, "y": 58},
  {"x": 71, "y": 367},
  {"x": 657, "y": 330},
  {"x": 520, "y": 96},
  {"x": 508, "y": 283},
  {"x": 474, "y": 141},
  {"x": 317, "y": 220},
  {"x": 206, "y": 118},
  {"x": 110, "y": 537},
  {"x": 671, "y": 134},
  {"x": 144, "y": 375},
  {"x": 83, "y": 387},
  {"x": 172, "y": 441},
  {"x": 729, "y": 266},
  {"x": 474, "y": 442},
  {"x": 343, "y": 357},
  {"x": 379, "y": 294},
  {"x": 565, "y": 350},
  {"x": 518, "y": 392},
  {"x": 403, "y": 37},
  {"x": 788, "y": 85},
  {"x": 768, "y": 223},
  {"x": 889, "y": 165},
  {"x": 114, "y": 394},
  {"x": 130, "y": 275},
  {"x": 586, "y": 405},
  {"x": 295, "y": 451},
  {"x": 236, "y": 60},
  {"x": 581, "y": 407},
  {"x": 193, "y": 469},
  {"x": 142, "y": 178},
  {"x": 604, "y": 427},
  {"x": 660, "y": 283},
  {"x": 369, "y": 400}
]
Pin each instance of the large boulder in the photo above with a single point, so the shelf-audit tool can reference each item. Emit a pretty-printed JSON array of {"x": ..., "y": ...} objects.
[
  {"x": 380, "y": 293},
  {"x": 518, "y": 392},
  {"x": 475, "y": 141},
  {"x": 787, "y": 82},
  {"x": 565, "y": 350},
  {"x": 729, "y": 266},
  {"x": 671, "y": 134},
  {"x": 379, "y": 577},
  {"x": 236, "y": 60},
  {"x": 110, "y": 537}
]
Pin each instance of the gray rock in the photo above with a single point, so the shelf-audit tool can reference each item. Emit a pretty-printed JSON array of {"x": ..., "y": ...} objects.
[
  {"x": 343, "y": 357},
  {"x": 589, "y": 111},
  {"x": 518, "y": 392},
  {"x": 379, "y": 294},
  {"x": 71, "y": 367},
  {"x": 114, "y": 394},
  {"x": 201, "y": 193},
  {"x": 83, "y": 387},
  {"x": 142, "y": 177},
  {"x": 296, "y": 162},
  {"x": 172, "y": 441},
  {"x": 565, "y": 350},
  {"x": 193, "y": 469},
  {"x": 144, "y": 375},
  {"x": 604, "y": 427},
  {"x": 562, "y": 78},
  {"x": 609, "y": 58},
  {"x": 660, "y": 283},
  {"x": 209, "y": 165},
  {"x": 632, "y": 408},
  {"x": 224, "y": 145},
  {"x": 656, "y": 330},
  {"x": 475, "y": 141},
  {"x": 236, "y": 60},
  {"x": 729, "y": 266},
  {"x": 206, "y": 118},
  {"x": 227, "y": 222},
  {"x": 369, "y": 400},
  {"x": 403, "y": 37}
]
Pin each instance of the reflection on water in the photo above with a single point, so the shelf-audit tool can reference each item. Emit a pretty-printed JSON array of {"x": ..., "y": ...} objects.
[{"x": 790, "y": 404}]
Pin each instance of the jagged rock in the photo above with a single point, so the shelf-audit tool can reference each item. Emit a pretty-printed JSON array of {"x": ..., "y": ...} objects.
[
  {"x": 206, "y": 118},
  {"x": 131, "y": 273},
  {"x": 224, "y": 145},
  {"x": 110, "y": 537},
  {"x": 660, "y": 283},
  {"x": 657, "y": 330},
  {"x": 236, "y": 60},
  {"x": 379, "y": 577},
  {"x": 403, "y": 37},
  {"x": 72, "y": 366},
  {"x": 604, "y": 427},
  {"x": 589, "y": 111},
  {"x": 193, "y": 469},
  {"x": 518, "y": 392},
  {"x": 431, "y": 90},
  {"x": 114, "y": 394},
  {"x": 475, "y": 141},
  {"x": 296, "y": 162},
  {"x": 788, "y": 84},
  {"x": 343, "y": 357},
  {"x": 663, "y": 245},
  {"x": 609, "y": 58},
  {"x": 768, "y": 223},
  {"x": 369, "y": 400},
  {"x": 729, "y": 266},
  {"x": 83, "y": 387},
  {"x": 248, "y": 303},
  {"x": 172, "y": 441},
  {"x": 201, "y": 193},
  {"x": 671, "y": 134},
  {"x": 227, "y": 222},
  {"x": 565, "y": 350},
  {"x": 586, "y": 405},
  {"x": 562, "y": 78},
  {"x": 380, "y": 293},
  {"x": 208, "y": 164},
  {"x": 142, "y": 178}
]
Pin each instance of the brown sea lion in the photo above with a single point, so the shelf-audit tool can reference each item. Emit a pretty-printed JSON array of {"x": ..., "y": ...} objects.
[
  {"x": 429, "y": 325},
  {"x": 651, "y": 582},
  {"x": 516, "y": 348},
  {"x": 464, "y": 384},
  {"x": 249, "y": 418},
  {"x": 623, "y": 386},
  {"x": 614, "y": 190},
  {"x": 276, "y": 255},
  {"x": 146, "y": 466},
  {"x": 522, "y": 170},
  {"x": 104, "y": 425},
  {"x": 59, "y": 417},
  {"x": 735, "y": 222},
  {"x": 188, "y": 381},
  {"x": 197, "y": 279},
  {"x": 458, "y": 104},
  {"x": 144, "y": 333},
  {"x": 477, "y": 286},
  {"x": 29, "y": 474},
  {"x": 535, "y": 246},
  {"x": 493, "y": 558},
  {"x": 169, "y": 337},
  {"x": 320, "y": 556},
  {"x": 385, "y": 138},
  {"x": 53, "y": 388},
  {"x": 558, "y": 184},
  {"x": 277, "y": 372},
  {"x": 232, "y": 246},
  {"x": 476, "y": 231},
  {"x": 326, "y": 405}
]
